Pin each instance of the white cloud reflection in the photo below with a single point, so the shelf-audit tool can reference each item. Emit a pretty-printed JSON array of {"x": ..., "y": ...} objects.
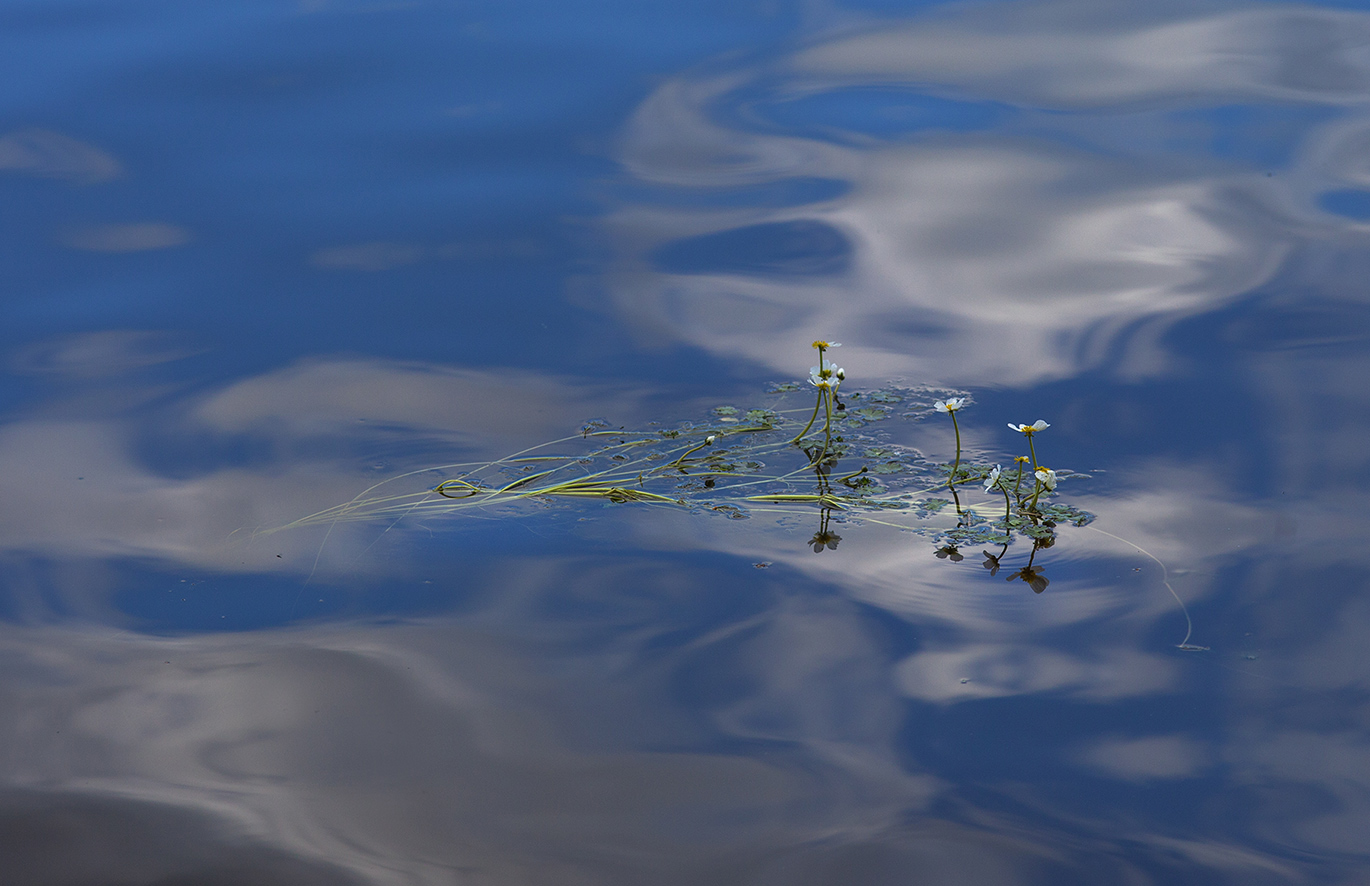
[
  {"x": 48, "y": 154},
  {"x": 547, "y": 737},
  {"x": 408, "y": 753},
  {"x": 130, "y": 237},
  {"x": 1148, "y": 758},
  {"x": 1006, "y": 257},
  {"x": 1077, "y": 55},
  {"x": 78, "y": 485}
]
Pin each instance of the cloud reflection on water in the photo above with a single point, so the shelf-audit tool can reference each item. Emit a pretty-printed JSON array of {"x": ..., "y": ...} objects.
[
  {"x": 608, "y": 719},
  {"x": 428, "y": 751},
  {"x": 84, "y": 488},
  {"x": 623, "y": 737},
  {"x": 1007, "y": 257}
]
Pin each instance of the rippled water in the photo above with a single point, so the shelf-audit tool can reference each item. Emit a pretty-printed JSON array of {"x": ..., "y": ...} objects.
[{"x": 261, "y": 256}]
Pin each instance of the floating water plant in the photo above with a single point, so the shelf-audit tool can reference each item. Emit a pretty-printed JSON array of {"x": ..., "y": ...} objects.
[{"x": 737, "y": 462}]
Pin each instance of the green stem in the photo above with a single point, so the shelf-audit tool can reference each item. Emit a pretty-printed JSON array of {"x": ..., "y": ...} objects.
[
  {"x": 1033, "y": 452},
  {"x": 825, "y": 395},
  {"x": 852, "y": 474},
  {"x": 676, "y": 463},
  {"x": 812, "y": 418},
  {"x": 956, "y": 465}
]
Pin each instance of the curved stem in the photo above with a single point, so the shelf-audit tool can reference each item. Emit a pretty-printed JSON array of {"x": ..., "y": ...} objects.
[
  {"x": 676, "y": 463},
  {"x": 852, "y": 474},
  {"x": 956, "y": 465},
  {"x": 812, "y": 418}
]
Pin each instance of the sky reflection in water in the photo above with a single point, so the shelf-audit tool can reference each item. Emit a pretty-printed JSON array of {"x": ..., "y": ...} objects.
[{"x": 1145, "y": 225}]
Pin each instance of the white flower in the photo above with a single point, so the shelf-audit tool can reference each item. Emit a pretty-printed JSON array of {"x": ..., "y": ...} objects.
[
  {"x": 829, "y": 378},
  {"x": 825, "y": 345},
  {"x": 709, "y": 440},
  {"x": 1033, "y": 428},
  {"x": 1046, "y": 477},
  {"x": 951, "y": 404},
  {"x": 992, "y": 478}
]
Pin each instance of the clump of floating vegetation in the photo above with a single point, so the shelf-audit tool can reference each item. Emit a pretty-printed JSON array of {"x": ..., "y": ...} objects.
[
  {"x": 845, "y": 460},
  {"x": 847, "y": 464}
]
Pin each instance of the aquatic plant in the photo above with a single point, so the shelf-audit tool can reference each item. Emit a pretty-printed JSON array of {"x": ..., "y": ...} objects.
[{"x": 736, "y": 462}]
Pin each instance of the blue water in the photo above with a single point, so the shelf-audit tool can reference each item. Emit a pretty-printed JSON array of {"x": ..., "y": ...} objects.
[{"x": 262, "y": 257}]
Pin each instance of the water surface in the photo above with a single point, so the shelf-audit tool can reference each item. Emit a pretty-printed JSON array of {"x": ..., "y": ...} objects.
[{"x": 262, "y": 256}]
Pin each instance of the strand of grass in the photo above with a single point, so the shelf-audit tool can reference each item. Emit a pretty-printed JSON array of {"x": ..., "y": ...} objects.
[
  {"x": 603, "y": 492},
  {"x": 472, "y": 489},
  {"x": 827, "y": 501},
  {"x": 789, "y": 476},
  {"x": 802, "y": 470},
  {"x": 371, "y": 508},
  {"x": 448, "y": 467},
  {"x": 521, "y": 456},
  {"x": 374, "y": 507},
  {"x": 856, "y": 473},
  {"x": 708, "y": 441},
  {"x": 1165, "y": 580}
]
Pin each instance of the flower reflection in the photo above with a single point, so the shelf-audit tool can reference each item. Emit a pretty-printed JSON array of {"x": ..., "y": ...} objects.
[
  {"x": 992, "y": 561},
  {"x": 821, "y": 540},
  {"x": 824, "y": 538},
  {"x": 949, "y": 552},
  {"x": 1033, "y": 576}
]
